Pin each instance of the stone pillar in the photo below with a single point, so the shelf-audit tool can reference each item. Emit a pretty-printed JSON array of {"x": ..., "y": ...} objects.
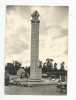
[{"x": 35, "y": 71}]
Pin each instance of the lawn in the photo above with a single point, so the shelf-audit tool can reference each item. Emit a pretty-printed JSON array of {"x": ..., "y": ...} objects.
[{"x": 36, "y": 90}]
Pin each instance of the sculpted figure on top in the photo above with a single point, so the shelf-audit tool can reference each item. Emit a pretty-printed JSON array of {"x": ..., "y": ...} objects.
[{"x": 35, "y": 15}]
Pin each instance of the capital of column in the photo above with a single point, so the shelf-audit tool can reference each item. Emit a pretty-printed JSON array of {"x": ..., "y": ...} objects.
[
  {"x": 35, "y": 15},
  {"x": 32, "y": 21}
]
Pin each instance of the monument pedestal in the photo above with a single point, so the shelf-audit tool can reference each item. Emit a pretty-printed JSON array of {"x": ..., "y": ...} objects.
[{"x": 35, "y": 76}]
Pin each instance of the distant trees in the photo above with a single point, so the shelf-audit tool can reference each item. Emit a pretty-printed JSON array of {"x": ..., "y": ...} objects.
[
  {"x": 13, "y": 67},
  {"x": 10, "y": 68},
  {"x": 27, "y": 69},
  {"x": 44, "y": 65},
  {"x": 55, "y": 66},
  {"x": 62, "y": 66},
  {"x": 40, "y": 63},
  {"x": 44, "y": 68},
  {"x": 17, "y": 65},
  {"x": 47, "y": 66}
]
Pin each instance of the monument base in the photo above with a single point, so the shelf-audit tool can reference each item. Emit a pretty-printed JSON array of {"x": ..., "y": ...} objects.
[
  {"x": 38, "y": 82},
  {"x": 34, "y": 80},
  {"x": 35, "y": 74}
]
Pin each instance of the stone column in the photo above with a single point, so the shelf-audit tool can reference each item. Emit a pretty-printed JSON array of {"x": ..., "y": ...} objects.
[{"x": 35, "y": 72}]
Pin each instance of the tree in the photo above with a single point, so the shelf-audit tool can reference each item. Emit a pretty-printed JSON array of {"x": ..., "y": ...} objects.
[
  {"x": 44, "y": 65},
  {"x": 9, "y": 67},
  {"x": 55, "y": 66},
  {"x": 49, "y": 64},
  {"x": 44, "y": 68},
  {"x": 17, "y": 65},
  {"x": 51, "y": 60},
  {"x": 27, "y": 69},
  {"x": 13, "y": 67},
  {"x": 62, "y": 66},
  {"x": 40, "y": 63}
]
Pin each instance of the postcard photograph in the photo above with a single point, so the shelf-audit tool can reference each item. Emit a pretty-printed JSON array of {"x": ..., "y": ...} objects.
[{"x": 36, "y": 50}]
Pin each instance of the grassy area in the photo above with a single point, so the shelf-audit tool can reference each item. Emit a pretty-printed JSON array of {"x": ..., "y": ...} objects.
[{"x": 38, "y": 90}]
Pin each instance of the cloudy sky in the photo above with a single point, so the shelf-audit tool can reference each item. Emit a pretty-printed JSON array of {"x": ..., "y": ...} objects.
[{"x": 53, "y": 35}]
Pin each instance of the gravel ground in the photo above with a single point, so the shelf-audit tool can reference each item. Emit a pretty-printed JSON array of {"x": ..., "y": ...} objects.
[{"x": 36, "y": 90}]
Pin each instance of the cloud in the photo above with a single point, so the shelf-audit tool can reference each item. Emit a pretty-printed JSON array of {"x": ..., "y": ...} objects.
[
  {"x": 43, "y": 27},
  {"x": 22, "y": 33},
  {"x": 22, "y": 29},
  {"x": 55, "y": 26},
  {"x": 23, "y": 11},
  {"x": 41, "y": 45},
  {"x": 10, "y": 8},
  {"x": 60, "y": 13},
  {"x": 17, "y": 47},
  {"x": 66, "y": 52},
  {"x": 63, "y": 33}
]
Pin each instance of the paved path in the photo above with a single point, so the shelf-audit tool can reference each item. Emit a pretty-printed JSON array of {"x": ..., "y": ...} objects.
[{"x": 37, "y": 90}]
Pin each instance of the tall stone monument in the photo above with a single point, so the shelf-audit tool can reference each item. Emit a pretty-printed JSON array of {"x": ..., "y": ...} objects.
[{"x": 35, "y": 71}]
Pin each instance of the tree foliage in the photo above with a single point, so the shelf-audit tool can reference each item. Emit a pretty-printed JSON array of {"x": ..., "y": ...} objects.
[
  {"x": 47, "y": 66},
  {"x": 13, "y": 67}
]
